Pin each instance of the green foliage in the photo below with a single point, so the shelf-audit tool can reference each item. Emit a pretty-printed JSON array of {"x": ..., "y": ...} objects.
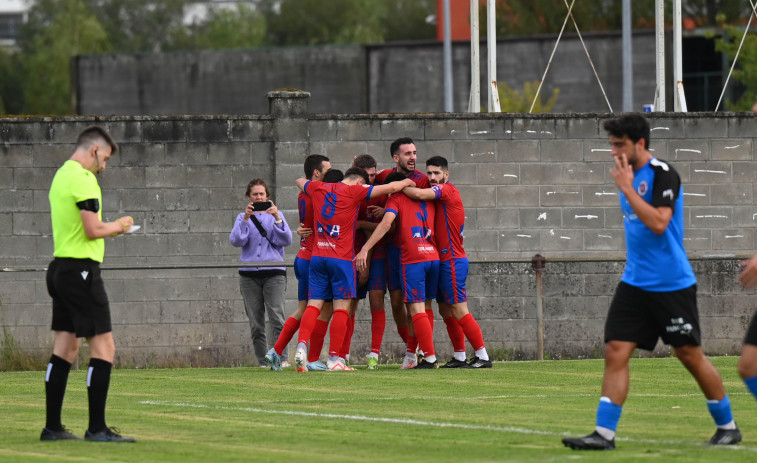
[
  {"x": 314, "y": 22},
  {"x": 13, "y": 358},
  {"x": 46, "y": 61},
  {"x": 223, "y": 28},
  {"x": 11, "y": 90},
  {"x": 406, "y": 19},
  {"x": 745, "y": 71},
  {"x": 519, "y": 101},
  {"x": 528, "y": 17}
]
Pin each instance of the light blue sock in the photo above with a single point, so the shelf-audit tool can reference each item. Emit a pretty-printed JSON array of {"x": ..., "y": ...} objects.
[
  {"x": 608, "y": 414},
  {"x": 720, "y": 411},
  {"x": 751, "y": 384}
]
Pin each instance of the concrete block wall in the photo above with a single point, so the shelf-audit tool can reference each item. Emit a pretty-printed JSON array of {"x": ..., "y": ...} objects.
[{"x": 531, "y": 184}]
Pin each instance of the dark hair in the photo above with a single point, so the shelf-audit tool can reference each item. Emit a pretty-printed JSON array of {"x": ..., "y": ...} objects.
[
  {"x": 437, "y": 161},
  {"x": 257, "y": 181},
  {"x": 395, "y": 146},
  {"x": 394, "y": 177},
  {"x": 353, "y": 172},
  {"x": 333, "y": 176},
  {"x": 364, "y": 161},
  {"x": 314, "y": 162},
  {"x": 93, "y": 135},
  {"x": 633, "y": 125}
]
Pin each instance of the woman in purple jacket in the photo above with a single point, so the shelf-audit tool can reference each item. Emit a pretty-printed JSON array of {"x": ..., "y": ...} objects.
[{"x": 262, "y": 233}]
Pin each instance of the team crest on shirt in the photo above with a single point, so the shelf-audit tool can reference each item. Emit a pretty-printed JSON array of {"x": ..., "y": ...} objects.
[{"x": 643, "y": 187}]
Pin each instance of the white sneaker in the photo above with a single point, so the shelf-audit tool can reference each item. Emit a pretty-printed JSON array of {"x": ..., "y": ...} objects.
[
  {"x": 338, "y": 365},
  {"x": 285, "y": 364},
  {"x": 301, "y": 360},
  {"x": 408, "y": 363}
]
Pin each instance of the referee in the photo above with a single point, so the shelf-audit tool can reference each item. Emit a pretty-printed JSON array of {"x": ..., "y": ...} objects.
[{"x": 80, "y": 305}]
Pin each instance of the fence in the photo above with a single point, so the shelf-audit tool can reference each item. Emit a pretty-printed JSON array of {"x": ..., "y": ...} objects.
[{"x": 192, "y": 314}]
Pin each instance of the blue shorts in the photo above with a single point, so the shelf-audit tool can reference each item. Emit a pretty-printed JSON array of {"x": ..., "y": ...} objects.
[
  {"x": 393, "y": 279},
  {"x": 452, "y": 275},
  {"x": 420, "y": 281},
  {"x": 376, "y": 278},
  {"x": 332, "y": 278},
  {"x": 302, "y": 273}
]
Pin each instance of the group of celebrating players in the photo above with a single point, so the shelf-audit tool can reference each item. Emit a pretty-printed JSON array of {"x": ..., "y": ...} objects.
[{"x": 364, "y": 232}]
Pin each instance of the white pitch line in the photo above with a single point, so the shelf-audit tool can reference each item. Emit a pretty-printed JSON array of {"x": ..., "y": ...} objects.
[{"x": 434, "y": 424}]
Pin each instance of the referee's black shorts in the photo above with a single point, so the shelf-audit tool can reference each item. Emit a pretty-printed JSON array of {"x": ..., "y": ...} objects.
[
  {"x": 643, "y": 317},
  {"x": 80, "y": 304}
]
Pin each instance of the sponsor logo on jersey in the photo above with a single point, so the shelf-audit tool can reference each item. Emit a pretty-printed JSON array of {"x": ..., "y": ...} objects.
[{"x": 668, "y": 194}]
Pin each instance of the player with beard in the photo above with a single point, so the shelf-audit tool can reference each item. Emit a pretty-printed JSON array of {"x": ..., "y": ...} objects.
[
  {"x": 332, "y": 270},
  {"x": 453, "y": 269},
  {"x": 405, "y": 155},
  {"x": 419, "y": 262}
]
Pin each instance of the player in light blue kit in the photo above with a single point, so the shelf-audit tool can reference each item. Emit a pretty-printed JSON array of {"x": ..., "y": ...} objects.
[{"x": 657, "y": 295}]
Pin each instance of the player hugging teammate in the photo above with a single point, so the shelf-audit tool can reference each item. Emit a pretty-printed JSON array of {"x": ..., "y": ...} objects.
[{"x": 423, "y": 259}]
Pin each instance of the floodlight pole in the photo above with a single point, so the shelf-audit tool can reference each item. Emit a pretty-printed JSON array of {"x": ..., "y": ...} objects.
[
  {"x": 491, "y": 48},
  {"x": 659, "y": 94},
  {"x": 679, "y": 98},
  {"x": 627, "y": 58},
  {"x": 448, "y": 107},
  {"x": 474, "y": 101}
]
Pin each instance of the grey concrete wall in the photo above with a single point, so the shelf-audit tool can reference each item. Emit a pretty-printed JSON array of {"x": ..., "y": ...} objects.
[
  {"x": 397, "y": 77},
  {"x": 531, "y": 184}
]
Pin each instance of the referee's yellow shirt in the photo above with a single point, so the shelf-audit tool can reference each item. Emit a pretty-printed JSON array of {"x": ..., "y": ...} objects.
[{"x": 72, "y": 184}]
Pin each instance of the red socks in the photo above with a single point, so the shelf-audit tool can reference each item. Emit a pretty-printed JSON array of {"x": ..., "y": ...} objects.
[
  {"x": 424, "y": 333},
  {"x": 307, "y": 323},
  {"x": 316, "y": 340},
  {"x": 455, "y": 332},
  {"x": 472, "y": 331},
  {"x": 378, "y": 325},
  {"x": 345, "y": 350},
  {"x": 430, "y": 314},
  {"x": 291, "y": 325},
  {"x": 337, "y": 331},
  {"x": 403, "y": 331}
]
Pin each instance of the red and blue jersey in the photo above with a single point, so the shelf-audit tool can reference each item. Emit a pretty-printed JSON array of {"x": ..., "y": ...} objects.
[
  {"x": 420, "y": 179},
  {"x": 305, "y": 206},
  {"x": 414, "y": 233},
  {"x": 335, "y": 207},
  {"x": 379, "y": 250},
  {"x": 449, "y": 221}
]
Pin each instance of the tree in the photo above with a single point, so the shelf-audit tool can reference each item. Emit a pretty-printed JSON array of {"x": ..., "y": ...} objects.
[
  {"x": 406, "y": 20},
  {"x": 745, "y": 71},
  {"x": 315, "y": 22},
  {"x": 241, "y": 27},
  {"x": 47, "y": 79},
  {"x": 515, "y": 101},
  {"x": 11, "y": 91}
]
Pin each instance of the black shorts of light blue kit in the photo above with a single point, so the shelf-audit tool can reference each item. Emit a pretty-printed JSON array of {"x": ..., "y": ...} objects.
[
  {"x": 641, "y": 316},
  {"x": 751, "y": 332},
  {"x": 80, "y": 304}
]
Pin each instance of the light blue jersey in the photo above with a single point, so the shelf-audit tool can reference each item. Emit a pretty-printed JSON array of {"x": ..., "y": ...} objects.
[{"x": 656, "y": 262}]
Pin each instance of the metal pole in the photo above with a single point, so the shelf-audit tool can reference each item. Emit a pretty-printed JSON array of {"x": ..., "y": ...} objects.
[
  {"x": 659, "y": 98},
  {"x": 627, "y": 58},
  {"x": 679, "y": 99},
  {"x": 447, "y": 59},
  {"x": 474, "y": 102},
  {"x": 538, "y": 262},
  {"x": 491, "y": 49}
]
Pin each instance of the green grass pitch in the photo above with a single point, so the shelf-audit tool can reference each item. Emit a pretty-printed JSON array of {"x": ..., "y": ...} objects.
[{"x": 516, "y": 411}]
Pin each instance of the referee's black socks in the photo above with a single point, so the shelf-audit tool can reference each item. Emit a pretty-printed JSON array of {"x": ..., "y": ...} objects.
[
  {"x": 56, "y": 378},
  {"x": 98, "y": 381}
]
